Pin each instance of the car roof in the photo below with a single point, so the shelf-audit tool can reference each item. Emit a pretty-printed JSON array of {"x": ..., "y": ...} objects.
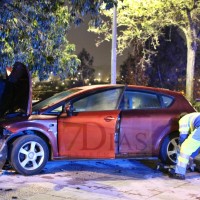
[{"x": 147, "y": 88}]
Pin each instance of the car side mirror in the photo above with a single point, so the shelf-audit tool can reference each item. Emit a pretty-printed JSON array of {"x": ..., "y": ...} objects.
[{"x": 69, "y": 110}]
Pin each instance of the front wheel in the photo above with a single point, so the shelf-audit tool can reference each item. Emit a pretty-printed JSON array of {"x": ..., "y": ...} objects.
[
  {"x": 169, "y": 149},
  {"x": 29, "y": 154}
]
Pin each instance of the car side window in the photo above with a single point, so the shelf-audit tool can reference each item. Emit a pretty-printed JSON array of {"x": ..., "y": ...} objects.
[
  {"x": 167, "y": 101},
  {"x": 104, "y": 100},
  {"x": 56, "y": 110},
  {"x": 139, "y": 100}
]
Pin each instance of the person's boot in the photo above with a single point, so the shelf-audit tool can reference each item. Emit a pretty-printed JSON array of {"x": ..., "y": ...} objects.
[
  {"x": 191, "y": 165},
  {"x": 174, "y": 175}
]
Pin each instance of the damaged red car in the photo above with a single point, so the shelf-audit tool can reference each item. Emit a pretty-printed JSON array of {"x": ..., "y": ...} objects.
[{"x": 92, "y": 122}]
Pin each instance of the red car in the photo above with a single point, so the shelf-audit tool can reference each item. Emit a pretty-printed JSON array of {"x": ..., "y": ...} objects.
[{"x": 93, "y": 122}]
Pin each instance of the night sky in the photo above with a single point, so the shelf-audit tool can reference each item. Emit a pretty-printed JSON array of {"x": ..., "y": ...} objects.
[{"x": 102, "y": 54}]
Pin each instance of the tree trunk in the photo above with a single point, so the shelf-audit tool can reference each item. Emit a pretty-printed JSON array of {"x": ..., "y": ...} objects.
[
  {"x": 191, "y": 36},
  {"x": 191, "y": 54}
]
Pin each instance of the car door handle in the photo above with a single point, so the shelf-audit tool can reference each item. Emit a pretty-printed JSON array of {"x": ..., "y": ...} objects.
[{"x": 109, "y": 118}]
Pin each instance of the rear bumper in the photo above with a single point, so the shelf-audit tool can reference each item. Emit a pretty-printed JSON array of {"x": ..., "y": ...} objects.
[{"x": 3, "y": 153}]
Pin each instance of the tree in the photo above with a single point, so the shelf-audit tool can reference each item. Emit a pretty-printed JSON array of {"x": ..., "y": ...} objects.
[
  {"x": 85, "y": 71},
  {"x": 79, "y": 9},
  {"x": 34, "y": 32},
  {"x": 133, "y": 70},
  {"x": 145, "y": 20},
  {"x": 168, "y": 68}
]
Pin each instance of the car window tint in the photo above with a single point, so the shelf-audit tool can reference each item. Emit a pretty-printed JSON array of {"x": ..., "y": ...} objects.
[
  {"x": 139, "y": 100},
  {"x": 167, "y": 101},
  {"x": 105, "y": 100}
]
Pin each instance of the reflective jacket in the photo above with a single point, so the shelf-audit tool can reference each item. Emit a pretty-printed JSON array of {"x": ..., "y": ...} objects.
[{"x": 187, "y": 124}]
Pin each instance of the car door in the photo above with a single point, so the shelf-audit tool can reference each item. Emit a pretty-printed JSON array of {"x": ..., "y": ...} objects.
[
  {"x": 89, "y": 131},
  {"x": 143, "y": 121}
]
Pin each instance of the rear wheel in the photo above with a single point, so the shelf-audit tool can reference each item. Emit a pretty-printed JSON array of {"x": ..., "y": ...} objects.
[
  {"x": 29, "y": 154},
  {"x": 169, "y": 149}
]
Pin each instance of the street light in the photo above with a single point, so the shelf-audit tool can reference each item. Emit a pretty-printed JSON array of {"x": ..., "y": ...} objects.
[{"x": 99, "y": 75}]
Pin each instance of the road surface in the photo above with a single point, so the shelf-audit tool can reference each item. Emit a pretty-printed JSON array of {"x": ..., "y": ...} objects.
[{"x": 118, "y": 179}]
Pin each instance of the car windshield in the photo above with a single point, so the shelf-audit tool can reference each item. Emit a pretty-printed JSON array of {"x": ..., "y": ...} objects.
[{"x": 55, "y": 98}]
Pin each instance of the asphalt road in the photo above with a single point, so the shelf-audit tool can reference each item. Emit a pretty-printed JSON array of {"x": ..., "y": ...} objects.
[{"x": 99, "y": 180}]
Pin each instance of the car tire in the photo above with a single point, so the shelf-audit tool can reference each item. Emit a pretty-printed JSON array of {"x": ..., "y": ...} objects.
[
  {"x": 29, "y": 154},
  {"x": 169, "y": 149}
]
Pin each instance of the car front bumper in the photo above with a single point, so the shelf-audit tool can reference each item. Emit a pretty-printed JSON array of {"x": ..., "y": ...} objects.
[{"x": 3, "y": 153}]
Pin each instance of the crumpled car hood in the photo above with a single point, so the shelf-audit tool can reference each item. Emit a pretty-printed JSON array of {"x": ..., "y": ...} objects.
[{"x": 16, "y": 92}]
